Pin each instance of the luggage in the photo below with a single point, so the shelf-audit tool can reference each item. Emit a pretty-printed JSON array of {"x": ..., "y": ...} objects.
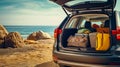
[
  {"x": 83, "y": 31},
  {"x": 93, "y": 37},
  {"x": 103, "y": 30},
  {"x": 79, "y": 40},
  {"x": 103, "y": 41}
]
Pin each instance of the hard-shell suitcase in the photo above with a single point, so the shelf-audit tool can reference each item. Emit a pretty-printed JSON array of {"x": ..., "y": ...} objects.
[
  {"x": 79, "y": 40},
  {"x": 92, "y": 38},
  {"x": 103, "y": 41}
]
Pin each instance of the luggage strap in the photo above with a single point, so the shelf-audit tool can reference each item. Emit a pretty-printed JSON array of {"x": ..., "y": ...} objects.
[{"x": 88, "y": 44}]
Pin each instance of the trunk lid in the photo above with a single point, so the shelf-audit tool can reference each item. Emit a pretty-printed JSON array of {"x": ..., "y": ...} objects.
[{"x": 80, "y": 5}]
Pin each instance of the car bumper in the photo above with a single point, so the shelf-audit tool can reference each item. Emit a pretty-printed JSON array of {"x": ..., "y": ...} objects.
[
  {"x": 71, "y": 59},
  {"x": 75, "y": 64}
]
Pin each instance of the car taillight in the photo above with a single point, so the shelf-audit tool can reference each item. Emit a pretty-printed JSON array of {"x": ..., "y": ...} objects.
[
  {"x": 117, "y": 33},
  {"x": 55, "y": 59},
  {"x": 57, "y": 31}
]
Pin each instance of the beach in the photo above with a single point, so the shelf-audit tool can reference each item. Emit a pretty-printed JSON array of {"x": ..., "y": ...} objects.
[
  {"x": 30, "y": 55},
  {"x": 30, "y": 51}
]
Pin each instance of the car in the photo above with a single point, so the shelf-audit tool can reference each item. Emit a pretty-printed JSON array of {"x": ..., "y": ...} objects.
[{"x": 98, "y": 23}]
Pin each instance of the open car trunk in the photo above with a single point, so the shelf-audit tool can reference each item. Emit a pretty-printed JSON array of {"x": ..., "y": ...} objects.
[
  {"x": 78, "y": 5},
  {"x": 87, "y": 33},
  {"x": 77, "y": 35}
]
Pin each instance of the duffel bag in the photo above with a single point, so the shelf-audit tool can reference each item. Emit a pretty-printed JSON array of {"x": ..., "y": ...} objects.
[{"x": 79, "y": 40}]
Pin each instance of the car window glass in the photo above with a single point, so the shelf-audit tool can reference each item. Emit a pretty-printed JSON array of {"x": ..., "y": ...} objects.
[
  {"x": 97, "y": 22},
  {"x": 72, "y": 23},
  {"x": 83, "y": 23},
  {"x": 118, "y": 20},
  {"x": 79, "y": 21}
]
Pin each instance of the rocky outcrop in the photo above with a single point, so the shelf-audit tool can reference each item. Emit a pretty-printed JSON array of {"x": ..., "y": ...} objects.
[
  {"x": 38, "y": 35},
  {"x": 14, "y": 40},
  {"x": 31, "y": 42},
  {"x": 3, "y": 29},
  {"x": 3, "y": 33}
]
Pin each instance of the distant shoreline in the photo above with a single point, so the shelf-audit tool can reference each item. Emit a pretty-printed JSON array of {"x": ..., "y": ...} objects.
[
  {"x": 27, "y": 30},
  {"x": 30, "y": 25}
]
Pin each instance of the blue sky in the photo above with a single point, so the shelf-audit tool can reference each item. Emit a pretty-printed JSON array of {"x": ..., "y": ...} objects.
[{"x": 32, "y": 12}]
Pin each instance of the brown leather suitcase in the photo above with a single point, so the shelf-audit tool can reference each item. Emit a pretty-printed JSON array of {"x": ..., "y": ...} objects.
[
  {"x": 93, "y": 37},
  {"x": 79, "y": 40}
]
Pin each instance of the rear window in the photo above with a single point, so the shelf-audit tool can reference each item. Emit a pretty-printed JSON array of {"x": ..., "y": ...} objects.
[
  {"x": 96, "y": 20},
  {"x": 98, "y": 23},
  {"x": 118, "y": 23},
  {"x": 83, "y": 1},
  {"x": 72, "y": 23}
]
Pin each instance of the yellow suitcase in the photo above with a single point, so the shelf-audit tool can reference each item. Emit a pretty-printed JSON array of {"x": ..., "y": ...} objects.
[{"x": 103, "y": 41}]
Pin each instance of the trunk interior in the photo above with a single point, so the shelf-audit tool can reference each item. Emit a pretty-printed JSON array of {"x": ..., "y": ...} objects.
[{"x": 87, "y": 33}]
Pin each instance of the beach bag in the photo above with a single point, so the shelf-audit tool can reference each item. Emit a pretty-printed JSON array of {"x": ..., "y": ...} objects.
[
  {"x": 93, "y": 37},
  {"x": 79, "y": 40},
  {"x": 83, "y": 31},
  {"x": 103, "y": 42}
]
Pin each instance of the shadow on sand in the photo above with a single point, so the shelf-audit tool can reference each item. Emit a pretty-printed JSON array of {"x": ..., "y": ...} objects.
[{"x": 48, "y": 64}]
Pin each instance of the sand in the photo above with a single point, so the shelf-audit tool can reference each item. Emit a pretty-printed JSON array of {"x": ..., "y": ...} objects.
[{"x": 31, "y": 55}]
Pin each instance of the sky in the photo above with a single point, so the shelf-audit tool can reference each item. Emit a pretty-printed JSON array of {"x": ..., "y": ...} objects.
[{"x": 32, "y": 12}]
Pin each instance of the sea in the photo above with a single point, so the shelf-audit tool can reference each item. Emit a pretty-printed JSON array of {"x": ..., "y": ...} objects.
[{"x": 25, "y": 31}]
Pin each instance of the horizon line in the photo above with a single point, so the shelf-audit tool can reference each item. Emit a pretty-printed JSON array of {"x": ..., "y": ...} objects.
[{"x": 29, "y": 25}]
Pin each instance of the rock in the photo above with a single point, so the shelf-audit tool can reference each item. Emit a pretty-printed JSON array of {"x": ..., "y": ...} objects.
[
  {"x": 1, "y": 43},
  {"x": 31, "y": 42},
  {"x": 38, "y": 35},
  {"x": 14, "y": 40},
  {"x": 3, "y": 33},
  {"x": 32, "y": 36},
  {"x": 3, "y": 29}
]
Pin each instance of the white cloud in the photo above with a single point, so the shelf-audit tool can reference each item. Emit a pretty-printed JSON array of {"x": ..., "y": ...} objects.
[
  {"x": 31, "y": 12},
  {"x": 9, "y": 7},
  {"x": 52, "y": 11},
  {"x": 32, "y": 20},
  {"x": 33, "y": 17},
  {"x": 31, "y": 5}
]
